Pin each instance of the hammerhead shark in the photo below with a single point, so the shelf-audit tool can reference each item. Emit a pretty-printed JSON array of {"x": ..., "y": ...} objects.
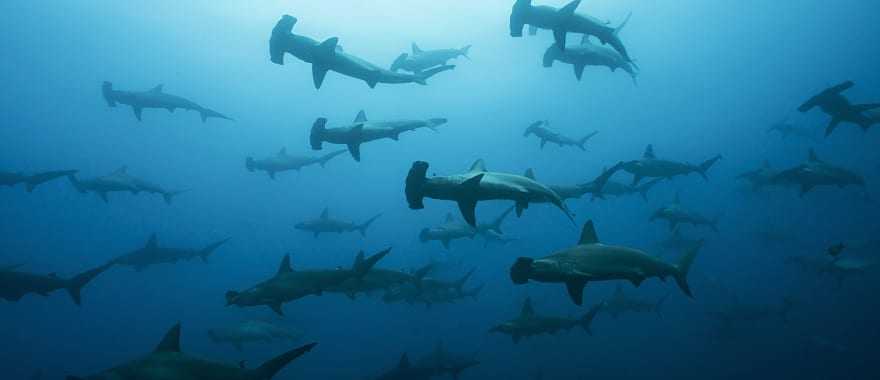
[{"x": 155, "y": 98}]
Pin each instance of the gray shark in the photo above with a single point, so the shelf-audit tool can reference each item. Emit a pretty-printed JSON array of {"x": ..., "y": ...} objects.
[
  {"x": 118, "y": 181},
  {"x": 155, "y": 98},
  {"x": 327, "y": 224},
  {"x": 152, "y": 188},
  {"x": 253, "y": 331},
  {"x": 167, "y": 362},
  {"x": 429, "y": 291},
  {"x": 597, "y": 186},
  {"x": 447, "y": 363},
  {"x": 33, "y": 180},
  {"x": 290, "y": 285},
  {"x": 590, "y": 260},
  {"x": 787, "y": 129},
  {"x": 152, "y": 254},
  {"x": 562, "y": 21},
  {"x": 652, "y": 167},
  {"x": 445, "y": 233},
  {"x": 675, "y": 214},
  {"x": 588, "y": 54},
  {"x": 15, "y": 284},
  {"x": 283, "y": 161},
  {"x": 620, "y": 303},
  {"x": 477, "y": 185},
  {"x": 618, "y": 189},
  {"x": 421, "y": 60},
  {"x": 362, "y": 131},
  {"x": 816, "y": 172},
  {"x": 406, "y": 371},
  {"x": 761, "y": 177},
  {"x": 832, "y": 102},
  {"x": 539, "y": 128},
  {"x": 529, "y": 323},
  {"x": 328, "y": 55},
  {"x": 379, "y": 280}
]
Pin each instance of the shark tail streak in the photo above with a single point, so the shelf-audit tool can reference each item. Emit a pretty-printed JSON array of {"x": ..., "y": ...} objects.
[
  {"x": 169, "y": 196},
  {"x": 76, "y": 183},
  {"x": 363, "y": 265},
  {"x": 329, "y": 156},
  {"x": 31, "y": 182},
  {"x": 75, "y": 285},
  {"x": 271, "y": 368},
  {"x": 107, "y": 92},
  {"x": 209, "y": 250},
  {"x": 316, "y": 136},
  {"x": 464, "y": 51},
  {"x": 423, "y": 76},
  {"x": 684, "y": 266},
  {"x": 398, "y": 62},
  {"x": 436, "y": 122},
  {"x": 584, "y": 140},
  {"x": 706, "y": 165},
  {"x": 363, "y": 227},
  {"x": 587, "y": 320},
  {"x": 205, "y": 113},
  {"x": 659, "y": 304}
]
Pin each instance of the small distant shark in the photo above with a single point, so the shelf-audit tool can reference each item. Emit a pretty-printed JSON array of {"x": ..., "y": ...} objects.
[
  {"x": 477, "y": 184},
  {"x": 33, "y": 180},
  {"x": 120, "y": 181},
  {"x": 618, "y": 189},
  {"x": 253, "y": 331},
  {"x": 362, "y": 131},
  {"x": 652, "y": 167},
  {"x": 283, "y": 161},
  {"x": 406, "y": 371},
  {"x": 326, "y": 224},
  {"x": 421, "y": 60},
  {"x": 839, "y": 268},
  {"x": 380, "y": 280},
  {"x": 675, "y": 214},
  {"x": 529, "y": 323},
  {"x": 832, "y": 102},
  {"x": 539, "y": 128},
  {"x": 152, "y": 188},
  {"x": 447, "y": 363},
  {"x": 620, "y": 303},
  {"x": 445, "y": 233},
  {"x": 167, "y": 361},
  {"x": 15, "y": 284},
  {"x": 816, "y": 172},
  {"x": 429, "y": 291},
  {"x": 152, "y": 254},
  {"x": 590, "y": 260},
  {"x": 761, "y": 177},
  {"x": 597, "y": 187},
  {"x": 328, "y": 55},
  {"x": 155, "y": 98},
  {"x": 787, "y": 129},
  {"x": 290, "y": 285},
  {"x": 588, "y": 54},
  {"x": 562, "y": 21}
]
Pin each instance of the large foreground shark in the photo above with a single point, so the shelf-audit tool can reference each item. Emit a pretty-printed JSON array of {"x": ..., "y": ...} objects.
[
  {"x": 155, "y": 98},
  {"x": 477, "y": 184},
  {"x": 15, "y": 284},
  {"x": 590, "y": 260},
  {"x": 328, "y": 55},
  {"x": 363, "y": 130},
  {"x": 168, "y": 362}
]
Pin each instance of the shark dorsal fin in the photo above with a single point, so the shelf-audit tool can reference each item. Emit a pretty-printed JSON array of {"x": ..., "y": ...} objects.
[
  {"x": 449, "y": 218},
  {"x": 157, "y": 89},
  {"x": 325, "y": 214},
  {"x": 530, "y": 174},
  {"x": 527, "y": 309},
  {"x": 478, "y": 166},
  {"x": 283, "y": 151},
  {"x": 416, "y": 49},
  {"x": 171, "y": 341},
  {"x": 569, "y": 8},
  {"x": 152, "y": 242},
  {"x": 588, "y": 234},
  {"x": 813, "y": 157},
  {"x": 649, "y": 152},
  {"x": 285, "y": 265},
  {"x": 404, "y": 362},
  {"x": 361, "y": 117},
  {"x": 122, "y": 170}
]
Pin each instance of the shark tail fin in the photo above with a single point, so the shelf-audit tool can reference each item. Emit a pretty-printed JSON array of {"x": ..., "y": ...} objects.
[
  {"x": 459, "y": 285},
  {"x": 249, "y": 164},
  {"x": 327, "y": 157},
  {"x": 464, "y": 51},
  {"x": 363, "y": 265},
  {"x": 316, "y": 137},
  {"x": 398, "y": 62},
  {"x": 205, "y": 113},
  {"x": 107, "y": 92},
  {"x": 209, "y": 250},
  {"x": 706, "y": 165},
  {"x": 270, "y": 368},
  {"x": 623, "y": 24},
  {"x": 436, "y": 122},
  {"x": 415, "y": 182},
  {"x": 586, "y": 138},
  {"x": 684, "y": 266},
  {"x": 423, "y": 76},
  {"x": 75, "y": 285},
  {"x": 363, "y": 227},
  {"x": 587, "y": 319}
]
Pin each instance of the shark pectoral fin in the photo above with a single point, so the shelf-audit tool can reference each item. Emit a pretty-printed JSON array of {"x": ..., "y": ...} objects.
[
  {"x": 543, "y": 142},
  {"x": 468, "y": 210},
  {"x": 576, "y": 290},
  {"x": 832, "y": 125},
  {"x": 355, "y": 150},
  {"x": 559, "y": 36},
  {"x": 372, "y": 83},
  {"x": 579, "y": 70},
  {"x": 103, "y": 196},
  {"x": 137, "y": 112},
  {"x": 467, "y": 199},
  {"x": 445, "y": 243},
  {"x": 276, "y": 307},
  {"x": 520, "y": 206},
  {"x": 318, "y": 74},
  {"x": 271, "y": 174}
]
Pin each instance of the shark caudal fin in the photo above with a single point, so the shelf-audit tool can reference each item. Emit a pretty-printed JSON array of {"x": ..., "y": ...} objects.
[
  {"x": 363, "y": 265},
  {"x": 270, "y": 368},
  {"x": 518, "y": 17},
  {"x": 684, "y": 266},
  {"x": 74, "y": 285},
  {"x": 168, "y": 196},
  {"x": 363, "y": 227},
  {"x": 423, "y": 76},
  {"x": 464, "y": 51},
  {"x": 584, "y": 140},
  {"x": 205, "y": 113},
  {"x": 706, "y": 165},
  {"x": 280, "y": 34},
  {"x": 496, "y": 224},
  {"x": 108, "y": 93},
  {"x": 32, "y": 181},
  {"x": 316, "y": 137},
  {"x": 398, "y": 62},
  {"x": 415, "y": 182},
  {"x": 327, "y": 157},
  {"x": 436, "y": 122},
  {"x": 587, "y": 319},
  {"x": 209, "y": 250}
]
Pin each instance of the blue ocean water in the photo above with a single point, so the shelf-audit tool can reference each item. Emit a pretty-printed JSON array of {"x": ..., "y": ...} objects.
[{"x": 714, "y": 75}]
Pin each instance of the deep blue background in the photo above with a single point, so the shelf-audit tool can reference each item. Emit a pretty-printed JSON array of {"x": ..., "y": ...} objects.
[{"x": 714, "y": 75}]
